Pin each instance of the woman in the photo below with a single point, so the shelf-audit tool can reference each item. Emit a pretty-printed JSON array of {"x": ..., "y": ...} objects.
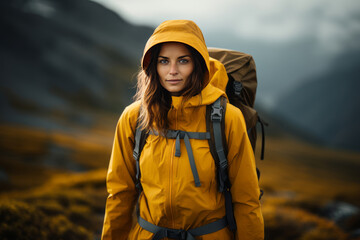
[{"x": 178, "y": 80}]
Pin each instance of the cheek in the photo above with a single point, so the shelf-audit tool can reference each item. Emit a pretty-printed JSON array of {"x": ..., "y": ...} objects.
[
  {"x": 160, "y": 70},
  {"x": 189, "y": 70}
]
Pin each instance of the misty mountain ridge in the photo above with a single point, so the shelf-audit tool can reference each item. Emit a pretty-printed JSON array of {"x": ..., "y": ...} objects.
[{"x": 327, "y": 106}]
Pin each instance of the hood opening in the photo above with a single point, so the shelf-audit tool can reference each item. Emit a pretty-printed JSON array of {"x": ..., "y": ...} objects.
[{"x": 199, "y": 61}]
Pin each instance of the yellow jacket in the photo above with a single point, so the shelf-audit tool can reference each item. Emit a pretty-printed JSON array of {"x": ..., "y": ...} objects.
[{"x": 169, "y": 197}]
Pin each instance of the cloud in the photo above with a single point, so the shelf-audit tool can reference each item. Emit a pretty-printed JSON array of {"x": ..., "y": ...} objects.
[{"x": 328, "y": 21}]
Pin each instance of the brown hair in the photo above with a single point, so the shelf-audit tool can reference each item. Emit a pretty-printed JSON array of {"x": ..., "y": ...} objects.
[{"x": 155, "y": 99}]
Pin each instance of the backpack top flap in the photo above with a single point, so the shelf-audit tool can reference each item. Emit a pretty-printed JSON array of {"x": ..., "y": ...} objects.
[{"x": 241, "y": 67}]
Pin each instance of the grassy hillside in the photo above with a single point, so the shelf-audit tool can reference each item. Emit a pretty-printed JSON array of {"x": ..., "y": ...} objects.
[
  {"x": 305, "y": 187},
  {"x": 52, "y": 184},
  {"x": 45, "y": 201}
]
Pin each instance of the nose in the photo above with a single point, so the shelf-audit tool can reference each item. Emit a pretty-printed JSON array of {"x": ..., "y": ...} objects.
[{"x": 173, "y": 69}]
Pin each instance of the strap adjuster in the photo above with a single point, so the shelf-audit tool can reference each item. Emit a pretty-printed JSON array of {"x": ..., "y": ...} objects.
[
  {"x": 223, "y": 165},
  {"x": 135, "y": 155}
]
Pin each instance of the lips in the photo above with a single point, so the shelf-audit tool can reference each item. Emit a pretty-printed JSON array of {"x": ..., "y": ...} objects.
[{"x": 173, "y": 81}]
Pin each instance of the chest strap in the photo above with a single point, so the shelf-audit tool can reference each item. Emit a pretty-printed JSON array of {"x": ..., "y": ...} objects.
[
  {"x": 162, "y": 232},
  {"x": 178, "y": 134}
]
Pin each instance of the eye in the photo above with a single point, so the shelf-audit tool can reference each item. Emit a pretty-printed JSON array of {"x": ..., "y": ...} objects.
[
  {"x": 163, "y": 61},
  {"x": 183, "y": 61}
]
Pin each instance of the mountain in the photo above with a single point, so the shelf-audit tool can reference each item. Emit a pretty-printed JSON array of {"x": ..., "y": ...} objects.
[
  {"x": 63, "y": 62},
  {"x": 327, "y": 106}
]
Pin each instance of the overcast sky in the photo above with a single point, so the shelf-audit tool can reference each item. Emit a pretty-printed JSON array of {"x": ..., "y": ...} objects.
[{"x": 332, "y": 22}]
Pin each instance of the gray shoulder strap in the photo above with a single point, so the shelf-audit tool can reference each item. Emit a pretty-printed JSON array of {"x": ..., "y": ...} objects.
[
  {"x": 216, "y": 117},
  {"x": 139, "y": 142},
  {"x": 136, "y": 155}
]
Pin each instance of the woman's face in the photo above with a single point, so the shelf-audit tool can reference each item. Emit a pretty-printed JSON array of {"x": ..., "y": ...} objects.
[{"x": 174, "y": 66}]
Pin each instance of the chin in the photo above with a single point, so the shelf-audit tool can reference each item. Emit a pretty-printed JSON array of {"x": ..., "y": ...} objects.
[{"x": 174, "y": 91}]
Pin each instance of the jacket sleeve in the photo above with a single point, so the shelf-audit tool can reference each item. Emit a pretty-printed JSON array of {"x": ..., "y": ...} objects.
[
  {"x": 242, "y": 173},
  {"x": 120, "y": 181}
]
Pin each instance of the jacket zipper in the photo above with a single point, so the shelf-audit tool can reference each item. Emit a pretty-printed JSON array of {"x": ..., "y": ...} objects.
[{"x": 171, "y": 179}]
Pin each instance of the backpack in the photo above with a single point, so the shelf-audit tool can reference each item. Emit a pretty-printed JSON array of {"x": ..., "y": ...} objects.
[{"x": 241, "y": 91}]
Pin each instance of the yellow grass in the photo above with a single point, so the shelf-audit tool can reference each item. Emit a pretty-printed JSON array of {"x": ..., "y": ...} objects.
[
  {"x": 310, "y": 171},
  {"x": 297, "y": 178}
]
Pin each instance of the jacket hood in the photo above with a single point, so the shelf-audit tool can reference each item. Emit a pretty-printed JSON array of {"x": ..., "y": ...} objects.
[
  {"x": 183, "y": 31},
  {"x": 187, "y": 32}
]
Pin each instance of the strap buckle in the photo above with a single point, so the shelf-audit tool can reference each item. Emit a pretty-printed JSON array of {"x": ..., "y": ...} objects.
[
  {"x": 183, "y": 234},
  {"x": 175, "y": 234},
  {"x": 237, "y": 87},
  {"x": 216, "y": 114}
]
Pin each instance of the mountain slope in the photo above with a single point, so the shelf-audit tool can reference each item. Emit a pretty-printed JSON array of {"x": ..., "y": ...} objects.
[
  {"x": 328, "y": 106},
  {"x": 61, "y": 60}
]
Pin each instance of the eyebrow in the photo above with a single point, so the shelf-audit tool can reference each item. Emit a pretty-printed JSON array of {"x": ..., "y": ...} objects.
[{"x": 178, "y": 57}]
